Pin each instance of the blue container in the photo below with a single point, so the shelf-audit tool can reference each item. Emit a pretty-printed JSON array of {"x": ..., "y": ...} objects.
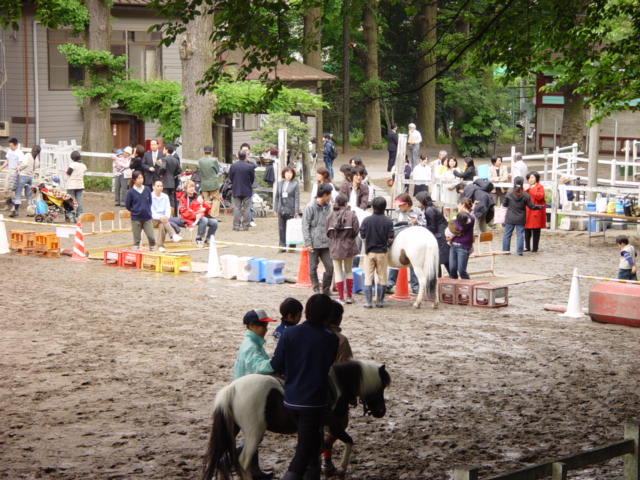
[
  {"x": 41, "y": 207},
  {"x": 483, "y": 171},
  {"x": 619, "y": 208},
  {"x": 593, "y": 225}
]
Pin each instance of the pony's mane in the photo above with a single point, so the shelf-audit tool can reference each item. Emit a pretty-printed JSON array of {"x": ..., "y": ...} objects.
[{"x": 359, "y": 378}]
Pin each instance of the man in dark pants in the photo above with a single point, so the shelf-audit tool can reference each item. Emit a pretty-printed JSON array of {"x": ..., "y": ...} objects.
[
  {"x": 150, "y": 163},
  {"x": 168, "y": 170},
  {"x": 314, "y": 231},
  {"x": 304, "y": 355},
  {"x": 242, "y": 173},
  {"x": 392, "y": 146}
]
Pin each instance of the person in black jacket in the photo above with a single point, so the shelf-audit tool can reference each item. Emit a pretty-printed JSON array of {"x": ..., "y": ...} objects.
[
  {"x": 516, "y": 202},
  {"x": 469, "y": 170},
  {"x": 435, "y": 222},
  {"x": 150, "y": 163},
  {"x": 304, "y": 355},
  {"x": 392, "y": 146},
  {"x": 242, "y": 174},
  {"x": 169, "y": 169},
  {"x": 483, "y": 204}
]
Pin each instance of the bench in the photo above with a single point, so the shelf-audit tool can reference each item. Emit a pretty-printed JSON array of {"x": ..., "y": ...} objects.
[{"x": 484, "y": 249}]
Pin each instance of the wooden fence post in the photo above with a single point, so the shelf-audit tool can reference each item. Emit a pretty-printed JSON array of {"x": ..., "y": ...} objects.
[
  {"x": 559, "y": 471},
  {"x": 466, "y": 472},
  {"x": 631, "y": 464}
]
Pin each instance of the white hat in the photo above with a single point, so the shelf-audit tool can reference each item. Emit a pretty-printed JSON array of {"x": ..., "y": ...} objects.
[{"x": 128, "y": 150}]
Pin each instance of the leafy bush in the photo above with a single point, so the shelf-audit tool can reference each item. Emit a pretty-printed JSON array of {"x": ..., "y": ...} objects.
[
  {"x": 377, "y": 146},
  {"x": 297, "y": 134},
  {"x": 97, "y": 184}
]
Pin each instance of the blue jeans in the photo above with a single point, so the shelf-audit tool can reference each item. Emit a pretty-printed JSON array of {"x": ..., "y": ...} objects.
[
  {"x": 328, "y": 162},
  {"x": 458, "y": 259},
  {"x": 24, "y": 183},
  {"x": 506, "y": 238},
  {"x": 205, "y": 222},
  {"x": 77, "y": 194}
]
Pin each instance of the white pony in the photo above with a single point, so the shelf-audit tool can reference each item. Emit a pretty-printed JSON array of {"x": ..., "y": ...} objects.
[{"x": 418, "y": 248}]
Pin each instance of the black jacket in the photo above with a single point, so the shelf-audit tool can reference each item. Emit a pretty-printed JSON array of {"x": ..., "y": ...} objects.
[
  {"x": 392, "y": 141},
  {"x": 485, "y": 201}
]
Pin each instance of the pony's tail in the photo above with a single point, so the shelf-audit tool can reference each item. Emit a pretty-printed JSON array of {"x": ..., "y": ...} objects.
[
  {"x": 432, "y": 273},
  {"x": 221, "y": 458}
]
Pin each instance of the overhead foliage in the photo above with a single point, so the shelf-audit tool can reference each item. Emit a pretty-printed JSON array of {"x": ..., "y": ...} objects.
[
  {"x": 266, "y": 32},
  {"x": 51, "y": 13},
  {"x": 93, "y": 61}
]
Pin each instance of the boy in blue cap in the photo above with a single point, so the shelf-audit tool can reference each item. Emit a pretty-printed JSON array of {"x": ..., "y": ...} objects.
[{"x": 252, "y": 357}]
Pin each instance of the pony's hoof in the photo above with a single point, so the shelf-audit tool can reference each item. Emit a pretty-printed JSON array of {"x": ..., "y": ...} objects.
[
  {"x": 435, "y": 306},
  {"x": 329, "y": 469},
  {"x": 416, "y": 305}
]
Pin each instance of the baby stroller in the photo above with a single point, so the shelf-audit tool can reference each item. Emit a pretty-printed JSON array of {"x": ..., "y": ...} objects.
[{"x": 56, "y": 204}]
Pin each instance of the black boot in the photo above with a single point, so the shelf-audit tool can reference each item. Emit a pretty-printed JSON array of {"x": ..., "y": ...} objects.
[
  {"x": 15, "y": 212},
  {"x": 312, "y": 473},
  {"x": 368, "y": 295},
  {"x": 256, "y": 472},
  {"x": 380, "y": 289}
]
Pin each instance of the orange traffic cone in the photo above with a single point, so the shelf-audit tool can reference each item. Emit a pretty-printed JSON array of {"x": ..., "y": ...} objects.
[
  {"x": 78, "y": 246},
  {"x": 402, "y": 286},
  {"x": 304, "y": 280}
]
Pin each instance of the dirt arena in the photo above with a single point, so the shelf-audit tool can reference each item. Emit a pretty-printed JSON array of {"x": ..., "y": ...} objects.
[{"x": 107, "y": 373}]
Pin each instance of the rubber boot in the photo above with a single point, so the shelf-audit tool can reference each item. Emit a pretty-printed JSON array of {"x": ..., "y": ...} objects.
[
  {"x": 340, "y": 287},
  {"x": 256, "y": 471},
  {"x": 349, "y": 290},
  {"x": 326, "y": 283},
  {"x": 368, "y": 294},
  {"x": 312, "y": 473},
  {"x": 15, "y": 211},
  {"x": 380, "y": 289}
]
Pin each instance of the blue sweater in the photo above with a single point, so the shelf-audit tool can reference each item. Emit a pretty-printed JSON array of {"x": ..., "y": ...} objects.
[
  {"x": 139, "y": 204},
  {"x": 304, "y": 355}
]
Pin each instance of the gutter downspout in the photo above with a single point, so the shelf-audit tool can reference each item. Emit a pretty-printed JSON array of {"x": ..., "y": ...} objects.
[{"x": 36, "y": 87}]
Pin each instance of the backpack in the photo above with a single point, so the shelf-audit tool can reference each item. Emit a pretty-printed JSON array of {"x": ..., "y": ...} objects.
[
  {"x": 485, "y": 185},
  {"x": 333, "y": 151}
]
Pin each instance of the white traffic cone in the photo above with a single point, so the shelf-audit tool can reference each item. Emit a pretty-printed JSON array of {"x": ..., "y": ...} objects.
[
  {"x": 574, "y": 310},
  {"x": 214, "y": 262},
  {"x": 4, "y": 244}
]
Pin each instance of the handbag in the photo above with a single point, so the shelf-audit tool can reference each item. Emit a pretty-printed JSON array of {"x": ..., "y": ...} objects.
[
  {"x": 294, "y": 232},
  {"x": 500, "y": 215},
  {"x": 13, "y": 181}
]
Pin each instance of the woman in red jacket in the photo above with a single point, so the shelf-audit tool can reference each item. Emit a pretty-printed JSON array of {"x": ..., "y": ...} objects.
[{"x": 536, "y": 219}]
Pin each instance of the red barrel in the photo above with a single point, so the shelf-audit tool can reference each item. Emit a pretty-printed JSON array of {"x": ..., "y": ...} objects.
[{"x": 613, "y": 302}]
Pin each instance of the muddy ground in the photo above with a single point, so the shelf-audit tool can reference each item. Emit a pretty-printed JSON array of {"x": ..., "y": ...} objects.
[{"x": 107, "y": 373}]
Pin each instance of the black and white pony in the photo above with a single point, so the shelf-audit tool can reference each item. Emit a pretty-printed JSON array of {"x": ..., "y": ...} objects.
[
  {"x": 254, "y": 405},
  {"x": 418, "y": 248}
]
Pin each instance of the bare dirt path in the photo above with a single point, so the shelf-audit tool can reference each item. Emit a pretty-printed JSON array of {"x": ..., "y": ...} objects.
[{"x": 108, "y": 373}]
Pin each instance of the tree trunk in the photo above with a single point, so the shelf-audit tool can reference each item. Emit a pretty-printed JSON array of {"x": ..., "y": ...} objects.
[
  {"x": 345, "y": 76},
  {"x": 96, "y": 133},
  {"x": 573, "y": 118},
  {"x": 313, "y": 58},
  {"x": 427, "y": 94},
  {"x": 196, "y": 55},
  {"x": 372, "y": 134},
  {"x": 462, "y": 27}
]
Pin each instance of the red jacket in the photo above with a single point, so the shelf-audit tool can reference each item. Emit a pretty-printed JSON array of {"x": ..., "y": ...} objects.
[
  {"x": 536, "y": 218},
  {"x": 189, "y": 208}
]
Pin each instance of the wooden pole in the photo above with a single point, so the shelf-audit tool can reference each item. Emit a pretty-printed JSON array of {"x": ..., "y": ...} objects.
[
  {"x": 559, "y": 471},
  {"x": 467, "y": 472},
  {"x": 631, "y": 464}
]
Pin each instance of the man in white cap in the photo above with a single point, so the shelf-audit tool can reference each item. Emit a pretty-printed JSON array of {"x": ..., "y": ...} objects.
[{"x": 413, "y": 144}]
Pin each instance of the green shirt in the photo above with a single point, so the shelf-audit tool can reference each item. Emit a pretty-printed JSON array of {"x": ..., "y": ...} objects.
[
  {"x": 210, "y": 168},
  {"x": 252, "y": 357}
]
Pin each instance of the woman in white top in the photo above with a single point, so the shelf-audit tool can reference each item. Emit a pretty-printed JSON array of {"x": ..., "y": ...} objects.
[
  {"x": 323, "y": 176},
  {"x": 26, "y": 166},
  {"x": 75, "y": 179},
  {"x": 448, "y": 195},
  {"x": 421, "y": 173}
]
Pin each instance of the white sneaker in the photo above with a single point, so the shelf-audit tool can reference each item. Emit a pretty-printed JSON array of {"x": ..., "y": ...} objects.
[
  {"x": 253, "y": 224},
  {"x": 176, "y": 238},
  {"x": 162, "y": 249},
  {"x": 196, "y": 222}
]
